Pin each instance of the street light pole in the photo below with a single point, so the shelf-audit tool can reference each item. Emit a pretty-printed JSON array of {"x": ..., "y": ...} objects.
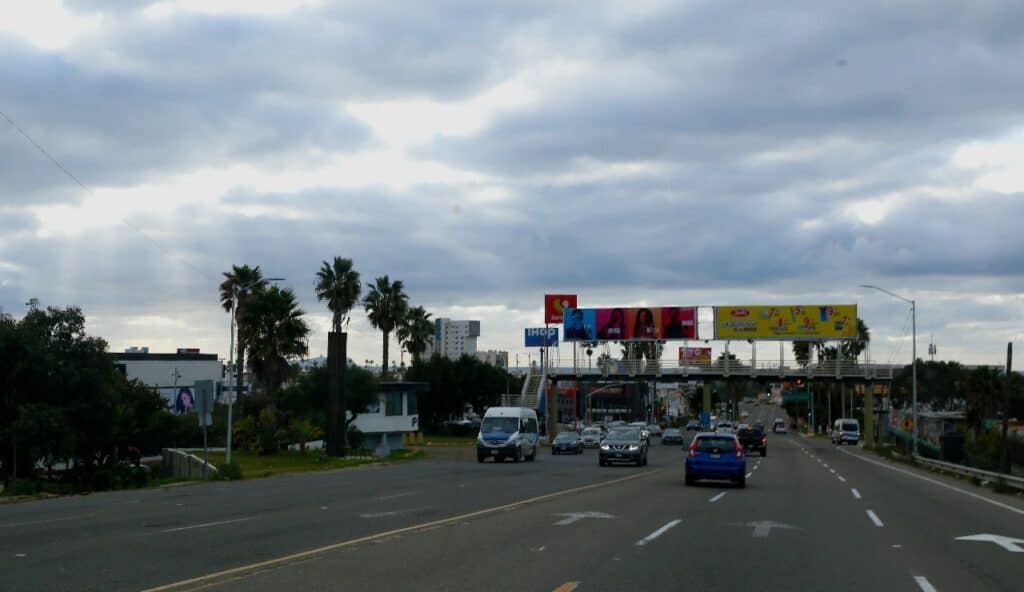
[{"x": 913, "y": 387}]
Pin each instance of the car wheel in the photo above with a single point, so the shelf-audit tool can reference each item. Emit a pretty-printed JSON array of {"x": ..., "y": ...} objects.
[
  {"x": 600, "y": 462},
  {"x": 689, "y": 480},
  {"x": 532, "y": 456},
  {"x": 742, "y": 483},
  {"x": 764, "y": 452},
  {"x": 480, "y": 458}
]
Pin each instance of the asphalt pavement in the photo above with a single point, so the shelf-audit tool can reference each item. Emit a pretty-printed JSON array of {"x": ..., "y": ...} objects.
[{"x": 813, "y": 516}]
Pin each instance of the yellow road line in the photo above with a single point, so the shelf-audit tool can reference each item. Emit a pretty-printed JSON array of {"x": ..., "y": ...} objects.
[
  {"x": 567, "y": 587},
  {"x": 305, "y": 554}
]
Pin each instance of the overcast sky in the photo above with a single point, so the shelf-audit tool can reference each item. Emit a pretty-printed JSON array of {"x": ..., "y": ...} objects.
[{"x": 635, "y": 153}]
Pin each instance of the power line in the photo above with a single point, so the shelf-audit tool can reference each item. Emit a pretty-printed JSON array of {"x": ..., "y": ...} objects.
[{"x": 89, "y": 190}]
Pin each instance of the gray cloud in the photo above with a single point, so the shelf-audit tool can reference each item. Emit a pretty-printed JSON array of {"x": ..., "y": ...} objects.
[{"x": 764, "y": 127}]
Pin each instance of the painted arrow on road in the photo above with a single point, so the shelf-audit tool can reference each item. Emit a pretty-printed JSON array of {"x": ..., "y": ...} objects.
[
  {"x": 764, "y": 527},
  {"x": 577, "y": 516},
  {"x": 1008, "y": 543}
]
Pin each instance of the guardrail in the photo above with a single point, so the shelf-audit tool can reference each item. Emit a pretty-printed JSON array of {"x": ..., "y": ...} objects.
[
  {"x": 186, "y": 465},
  {"x": 1009, "y": 480}
]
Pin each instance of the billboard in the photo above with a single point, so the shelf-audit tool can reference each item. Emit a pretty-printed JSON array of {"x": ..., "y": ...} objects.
[
  {"x": 555, "y": 305},
  {"x": 630, "y": 324},
  {"x": 796, "y": 322},
  {"x": 541, "y": 336},
  {"x": 694, "y": 356}
]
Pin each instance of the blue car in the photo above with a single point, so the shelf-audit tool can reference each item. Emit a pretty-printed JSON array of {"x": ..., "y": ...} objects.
[{"x": 716, "y": 456}]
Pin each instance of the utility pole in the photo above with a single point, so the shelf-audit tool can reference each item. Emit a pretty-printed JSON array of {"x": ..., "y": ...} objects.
[{"x": 1004, "y": 466}]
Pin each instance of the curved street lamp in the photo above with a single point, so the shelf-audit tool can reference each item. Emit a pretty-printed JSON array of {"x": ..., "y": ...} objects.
[{"x": 913, "y": 314}]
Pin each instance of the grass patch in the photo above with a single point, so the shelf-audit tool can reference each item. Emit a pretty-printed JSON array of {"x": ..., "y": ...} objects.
[
  {"x": 252, "y": 465},
  {"x": 438, "y": 440}
]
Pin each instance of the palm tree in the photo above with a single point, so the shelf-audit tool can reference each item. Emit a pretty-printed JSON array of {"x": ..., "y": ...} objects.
[
  {"x": 278, "y": 334},
  {"x": 386, "y": 305},
  {"x": 416, "y": 331},
  {"x": 853, "y": 349},
  {"x": 338, "y": 284},
  {"x": 240, "y": 283}
]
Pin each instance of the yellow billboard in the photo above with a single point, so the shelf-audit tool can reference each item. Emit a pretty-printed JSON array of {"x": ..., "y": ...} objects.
[{"x": 798, "y": 322}]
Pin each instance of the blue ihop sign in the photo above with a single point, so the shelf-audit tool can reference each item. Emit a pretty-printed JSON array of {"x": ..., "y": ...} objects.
[{"x": 541, "y": 337}]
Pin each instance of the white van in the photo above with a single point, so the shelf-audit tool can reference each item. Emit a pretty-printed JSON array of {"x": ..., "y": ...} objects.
[
  {"x": 507, "y": 432},
  {"x": 846, "y": 430}
]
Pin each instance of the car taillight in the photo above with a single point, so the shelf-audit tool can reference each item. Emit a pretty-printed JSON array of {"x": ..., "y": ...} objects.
[
  {"x": 692, "y": 452},
  {"x": 739, "y": 449}
]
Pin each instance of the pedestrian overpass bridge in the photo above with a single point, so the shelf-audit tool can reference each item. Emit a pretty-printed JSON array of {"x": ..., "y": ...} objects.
[{"x": 841, "y": 371}]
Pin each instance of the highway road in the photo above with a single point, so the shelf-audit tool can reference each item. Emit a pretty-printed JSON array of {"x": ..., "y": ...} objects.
[{"x": 812, "y": 517}]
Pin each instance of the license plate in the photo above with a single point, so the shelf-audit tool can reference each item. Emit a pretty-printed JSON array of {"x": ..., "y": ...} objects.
[
  {"x": 494, "y": 453},
  {"x": 716, "y": 456}
]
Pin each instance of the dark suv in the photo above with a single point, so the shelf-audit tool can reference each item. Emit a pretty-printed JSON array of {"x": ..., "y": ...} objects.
[
  {"x": 623, "y": 445},
  {"x": 753, "y": 438}
]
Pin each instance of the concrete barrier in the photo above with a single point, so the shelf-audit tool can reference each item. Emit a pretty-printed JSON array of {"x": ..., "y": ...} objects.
[{"x": 185, "y": 465}]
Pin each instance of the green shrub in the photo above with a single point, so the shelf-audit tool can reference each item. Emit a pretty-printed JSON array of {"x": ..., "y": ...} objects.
[
  {"x": 245, "y": 434},
  {"x": 355, "y": 437},
  {"x": 267, "y": 432},
  {"x": 228, "y": 472}
]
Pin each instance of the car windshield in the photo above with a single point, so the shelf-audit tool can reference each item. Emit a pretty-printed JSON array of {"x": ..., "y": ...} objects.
[
  {"x": 242, "y": 238},
  {"x": 506, "y": 425},
  {"x": 712, "y": 444}
]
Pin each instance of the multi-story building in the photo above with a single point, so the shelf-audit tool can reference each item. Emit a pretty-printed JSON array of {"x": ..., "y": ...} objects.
[
  {"x": 454, "y": 339},
  {"x": 173, "y": 375},
  {"x": 498, "y": 359}
]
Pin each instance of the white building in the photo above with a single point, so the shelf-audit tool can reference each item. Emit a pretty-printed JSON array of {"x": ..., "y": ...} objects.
[
  {"x": 498, "y": 359},
  {"x": 454, "y": 339},
  {"x": 394, "y": 412},
  {"x": 169, "y": 373}
]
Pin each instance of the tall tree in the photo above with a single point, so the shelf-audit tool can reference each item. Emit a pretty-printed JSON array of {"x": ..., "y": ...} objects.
[
  {"x": 278, "y": 334},
  {"x": 240, "y": 283},
  {"x": 853, "y": 349},
  {"x": 386, "y": 306},
  {"x": 338, "y": 284},
  {"x": 416, "y": 331}
]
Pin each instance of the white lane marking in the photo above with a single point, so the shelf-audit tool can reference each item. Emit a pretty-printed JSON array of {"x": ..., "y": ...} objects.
[
  {"x": 19, "y": 554},
  {"x": 571, "y": 517},
  {"x": 874, "y": 518},
  {"x": 924, "y": 584},
  {"x": 395, "y": 496},
  {"x": 840, "y": 477},
  {"x": 718, "y": 497},
  {"x": 897, "y": 546},
  {"x": 855, "y": 493},
  {"x": 392, "y": 513},
  {"x": 658, "y": 533},
  {"x": 749, "y": 474},
  {"x": 206, "y": 524},
  {"x": 826, "y": 465},
  {"x": 323, "y": 507},
  {"x": 833, "y": 471},
  {"x": 1008, "y": 543},
  {"x": 934, "y": 482}
]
